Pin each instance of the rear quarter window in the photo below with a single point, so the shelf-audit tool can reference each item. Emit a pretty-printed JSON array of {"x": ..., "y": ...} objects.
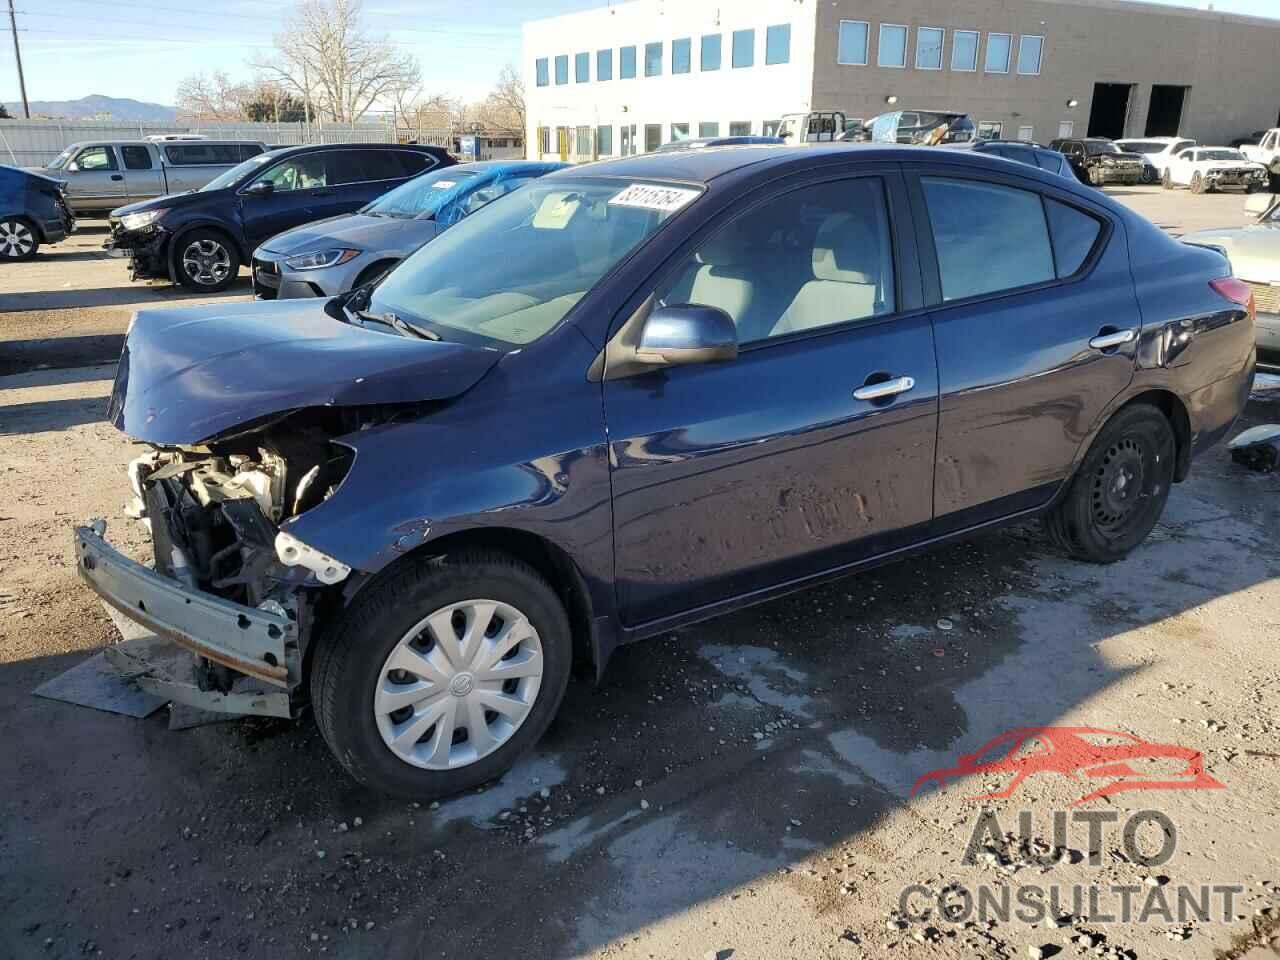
[
  {"x": 1074, "y": 235},
  {"x": 988, "y": 237}
]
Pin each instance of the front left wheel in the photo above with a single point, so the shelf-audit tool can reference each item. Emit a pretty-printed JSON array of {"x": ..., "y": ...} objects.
[
  {"x": 1119, "y": 491},
  {"x": 206, "y": 261},
  {"x": 18, "y": 241},
  {"x": 442, "y": 675}
]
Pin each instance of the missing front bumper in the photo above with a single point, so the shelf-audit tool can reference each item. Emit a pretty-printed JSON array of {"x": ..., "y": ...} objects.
[{"x": 262, "y": 644}]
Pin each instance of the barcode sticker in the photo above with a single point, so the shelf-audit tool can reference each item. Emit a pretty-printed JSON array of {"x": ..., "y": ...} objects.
[{"x": 649, "y": 197}]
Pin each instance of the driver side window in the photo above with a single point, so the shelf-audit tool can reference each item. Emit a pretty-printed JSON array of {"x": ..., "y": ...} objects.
[
  {"x": 96, "y": 158},
  {"x": 814, "y": 257},
  {"x": 301, "y": 173}
]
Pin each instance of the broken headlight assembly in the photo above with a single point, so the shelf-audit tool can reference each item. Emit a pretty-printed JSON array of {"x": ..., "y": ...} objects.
[
  {"x": 320, "y": 259},
  {"x": 141, "y": 220}
]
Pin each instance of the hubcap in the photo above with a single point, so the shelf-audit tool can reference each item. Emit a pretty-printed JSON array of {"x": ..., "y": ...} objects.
[
  {"x": 458, "y": 685},
  {"x": 1118, "y": 484},
  {"x": 16, "y": 239},
  {"x": 206, "y": 262}
]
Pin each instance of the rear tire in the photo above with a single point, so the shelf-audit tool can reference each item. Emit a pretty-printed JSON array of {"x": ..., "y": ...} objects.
[
  {"x": 206, "y": 261},
  {"x": 1120, "y": 489},
  {"x": 356, "y": 672},
  {"x": 1166, "y": 181},
  {"x": 18, "y": 239}
]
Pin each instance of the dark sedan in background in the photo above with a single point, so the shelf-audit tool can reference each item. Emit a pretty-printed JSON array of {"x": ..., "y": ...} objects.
[
  {"x": 636, "y": 394},
  {"x": 200, "y": 238},
  {"x": 33, "y": 211},
  {"x": 331, "y": 256}
]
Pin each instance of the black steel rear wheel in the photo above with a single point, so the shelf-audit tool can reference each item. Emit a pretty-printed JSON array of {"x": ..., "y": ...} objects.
[{"x": 1119, "y": 491}]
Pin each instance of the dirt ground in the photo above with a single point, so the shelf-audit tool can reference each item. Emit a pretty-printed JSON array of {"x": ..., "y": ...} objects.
[{"x": 740, "y": 789}]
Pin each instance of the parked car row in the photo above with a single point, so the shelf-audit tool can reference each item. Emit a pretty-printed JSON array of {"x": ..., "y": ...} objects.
[{"x": 630, "y": 396}]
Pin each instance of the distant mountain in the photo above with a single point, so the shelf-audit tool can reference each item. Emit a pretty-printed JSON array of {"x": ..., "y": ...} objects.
[{"x": 96, "y": 105}]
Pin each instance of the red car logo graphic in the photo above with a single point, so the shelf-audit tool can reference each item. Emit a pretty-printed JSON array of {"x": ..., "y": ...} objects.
[{"x": 1129, "y": 762}]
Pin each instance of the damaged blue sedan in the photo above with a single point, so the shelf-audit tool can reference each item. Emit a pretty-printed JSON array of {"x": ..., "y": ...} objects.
[{"x": 634, "y": 395}]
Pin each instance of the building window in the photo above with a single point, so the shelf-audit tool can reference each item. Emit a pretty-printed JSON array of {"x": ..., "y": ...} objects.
[
  {"x": 627, "y": 63},
  {"x": 604, "y": 141},
  {"x": 581, "y": 67},
  {"x": 708, "y": 129},
  {"x": 681, "y": 55},
  {"x": 892, "y": 48},
  {"x": 1029, "y": 53},
  {"x": 562, "y": 70},
  {"x": 652, "y": 137},
  {"x": 653, "y": 59},
  {"x": 770, "y": 128},
  {"x": 964, "y": 51},
  {"x": 544, "y": 139},
  {"x": 852, "y": 46},
  {"x": 711, "y": 52},
  {"x": 541, "y": 66},
  {"x": 990, "y": 129},
  {"x": 1026, "y": 133},
  {"x": 679, "y": 131},
  {"x": 744, "y": 48},
  {"x": 604, "y": 65},
  {"x": 999, "y": 46},
  {"x": 582, "y": 145},
  {"x": 777, "y": 44},
  {"x": 1066, "y": 129},
  {"x": 929, "y": 43},
  {"x": 740, "y": 128}
]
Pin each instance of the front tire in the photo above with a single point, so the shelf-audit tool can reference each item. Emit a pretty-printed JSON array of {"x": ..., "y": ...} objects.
[
  {"x": 1166, "y": 180},
  {"x": 1119, "y": 492},
  {"x": 438, "y": 678},
  {"x": 206, "y": 261},
  {"x": 1197, "y": 183},
  {"x": 18, "y": 239}
]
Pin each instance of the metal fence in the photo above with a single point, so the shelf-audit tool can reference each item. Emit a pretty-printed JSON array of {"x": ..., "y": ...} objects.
[{"x": 33, "y": 143}]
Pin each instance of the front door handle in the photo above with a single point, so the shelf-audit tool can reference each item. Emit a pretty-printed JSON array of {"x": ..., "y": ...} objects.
[
  {"x": 1105, "y": 341},
  {"x": 885, "y": 388},
  {"x": 117, "y": 176},
  {"x": 322, "y": 193}
]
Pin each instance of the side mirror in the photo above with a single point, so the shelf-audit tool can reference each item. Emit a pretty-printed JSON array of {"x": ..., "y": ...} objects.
[
  {"x": 687, "y": 333},
  {"x": 260, "y": 189}
]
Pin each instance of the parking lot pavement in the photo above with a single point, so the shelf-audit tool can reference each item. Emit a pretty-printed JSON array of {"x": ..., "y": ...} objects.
[{"x": 738, "y": 789}]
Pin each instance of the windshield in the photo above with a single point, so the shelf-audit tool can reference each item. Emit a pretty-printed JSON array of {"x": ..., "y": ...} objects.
[
  {"x": 232, "y": 176},
  {"x": 1141, "y": 146},
  {"x": 1096, "y": 147},
  {"x": 1221, "y": 155},
  {"x": 511, "y": 271},
  {"x": 60, "y": 161},
  {"x": 421, "y": 195}
]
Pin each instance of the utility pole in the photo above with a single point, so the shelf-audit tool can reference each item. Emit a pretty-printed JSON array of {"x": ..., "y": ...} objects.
[{"x": 17, "y": 55}]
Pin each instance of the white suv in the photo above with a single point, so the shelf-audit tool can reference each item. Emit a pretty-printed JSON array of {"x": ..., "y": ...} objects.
[{"x": 1156, "y": 153}]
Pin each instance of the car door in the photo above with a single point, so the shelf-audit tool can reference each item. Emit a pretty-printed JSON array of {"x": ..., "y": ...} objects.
[
  {"x": 813, "y": 449},
  {"x": 1036, "y": 323},
  {"x": 1180, "y": 167},
  {"x": 300, "y": 193},
  {"x": 97, "y": 182},
  {"x": 142, "y": 177}
]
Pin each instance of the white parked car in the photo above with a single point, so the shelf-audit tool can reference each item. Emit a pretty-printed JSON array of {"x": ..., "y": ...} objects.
[
  {"x": 1157, "y": 153},
  {"x": 1267, "y": 152},
  {"x": 1210, "y": 168}
]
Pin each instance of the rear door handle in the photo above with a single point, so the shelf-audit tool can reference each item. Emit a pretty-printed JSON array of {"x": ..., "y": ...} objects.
[
  {"x": 885, "y": 388},
  {"x": 1105, "y": 341},
  {"x": 117, "y": 176}
]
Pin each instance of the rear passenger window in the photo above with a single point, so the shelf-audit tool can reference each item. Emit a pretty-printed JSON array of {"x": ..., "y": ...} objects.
[
  {"x": 988, "y": 237},
  {"x": 202, "y": 154},
  {"x": 1074, "y": 234},
  {"x": 363, "y": 166},
  {"x": 411, "y": 163},
  {"x": 136, "y": 158},
  {"x": 812, "y": 258},
  {"x": 381, "y": 165}
]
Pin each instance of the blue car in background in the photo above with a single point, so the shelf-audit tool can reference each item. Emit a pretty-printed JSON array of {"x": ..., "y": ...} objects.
[
  {"x": 329, "y": 257},
  {"x": 33, "y": 211},
  {"x": 633, "y": 395}
]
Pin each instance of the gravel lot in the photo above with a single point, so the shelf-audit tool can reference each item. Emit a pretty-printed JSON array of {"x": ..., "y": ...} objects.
[{"x": 740, "y": 789}]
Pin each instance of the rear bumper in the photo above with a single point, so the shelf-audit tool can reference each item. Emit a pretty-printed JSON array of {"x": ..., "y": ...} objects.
[{"x": 257, "y": 643}]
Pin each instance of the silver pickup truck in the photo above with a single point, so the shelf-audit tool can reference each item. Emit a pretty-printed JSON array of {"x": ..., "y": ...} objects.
[{"x": 103, "y": 175}]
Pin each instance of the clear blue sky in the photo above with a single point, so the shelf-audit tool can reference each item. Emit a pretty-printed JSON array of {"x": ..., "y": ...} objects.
[{"x": 142, "y": 48}]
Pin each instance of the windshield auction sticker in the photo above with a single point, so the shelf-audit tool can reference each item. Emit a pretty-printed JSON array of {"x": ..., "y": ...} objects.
[{"x": 648, "y": 197}]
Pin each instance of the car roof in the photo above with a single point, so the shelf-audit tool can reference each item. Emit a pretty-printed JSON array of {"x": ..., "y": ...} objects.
[
  {"x": 704, "y": 166},
  {"x": 1153, "y": 139},
  {"x": 115, "y": 142},
  {"x": 324, "y": 147}
]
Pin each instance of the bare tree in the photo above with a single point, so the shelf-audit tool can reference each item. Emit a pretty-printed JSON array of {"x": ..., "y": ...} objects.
[
  {"x": 326, "y": 56},
  {"x": 210, "y": 96},
  {"x": 503, "y": 108}
]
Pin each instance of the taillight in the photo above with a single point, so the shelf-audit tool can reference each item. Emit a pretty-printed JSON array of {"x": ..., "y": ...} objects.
[{"x": 1237, "y": 291}]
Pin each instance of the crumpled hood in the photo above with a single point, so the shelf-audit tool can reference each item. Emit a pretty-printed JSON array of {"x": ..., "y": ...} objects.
[
  {"x": 1254, "y": 251},
  {"x": 190, "y": 374},
  {"x": 358, "y": 231}
]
